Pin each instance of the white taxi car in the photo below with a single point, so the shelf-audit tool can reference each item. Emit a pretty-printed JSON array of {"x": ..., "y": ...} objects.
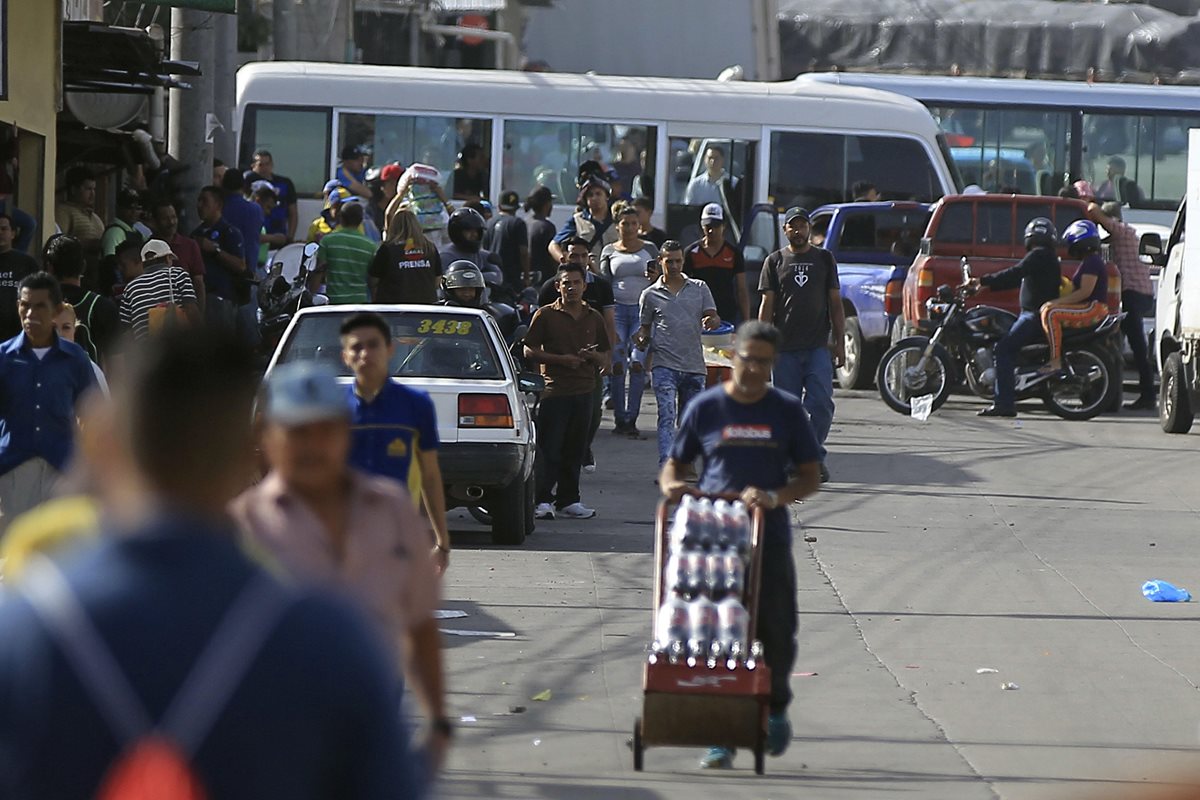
[{"x": 484, "y": 403}]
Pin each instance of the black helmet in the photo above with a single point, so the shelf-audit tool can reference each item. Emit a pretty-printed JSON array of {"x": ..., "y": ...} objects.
[
  {"x": 462, "y": 220},
  {"x": 463, "y": 275},
  {"x": 1040, "y": 233}
]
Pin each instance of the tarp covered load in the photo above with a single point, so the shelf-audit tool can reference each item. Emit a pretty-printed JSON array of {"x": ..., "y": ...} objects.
[{"x": 996, "y": 38}]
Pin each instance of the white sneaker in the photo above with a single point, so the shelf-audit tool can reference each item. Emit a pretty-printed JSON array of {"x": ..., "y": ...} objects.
[
  {"x": 590, "y": 469},
  {"x": 544, "y": 511},
  {"x": 577, "y": 511}
]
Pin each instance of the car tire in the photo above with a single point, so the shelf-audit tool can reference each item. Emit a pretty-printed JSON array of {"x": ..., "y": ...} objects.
[
  {"x": 1174, "y": 403},
  {"x": 862, "y": 357},
  {"x": 508, "y": 507}
]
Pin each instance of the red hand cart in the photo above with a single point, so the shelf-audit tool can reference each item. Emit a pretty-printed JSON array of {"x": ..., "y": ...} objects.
[{"x": 701, "y": 705}]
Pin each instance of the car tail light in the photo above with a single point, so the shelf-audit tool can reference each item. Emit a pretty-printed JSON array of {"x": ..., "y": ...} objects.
[
  {"x": 893, "y": 297},
  {"x": 484, "y": 411},
  {"x": 925, "y": 288}
]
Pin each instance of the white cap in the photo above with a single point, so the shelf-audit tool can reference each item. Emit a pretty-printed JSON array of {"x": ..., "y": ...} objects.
[
  {"x": 712, "y": 211},
  {"x": 156, "y": 249}
]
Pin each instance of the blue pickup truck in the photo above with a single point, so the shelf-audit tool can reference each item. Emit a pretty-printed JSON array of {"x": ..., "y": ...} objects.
[{"x": 874, "y": 244}]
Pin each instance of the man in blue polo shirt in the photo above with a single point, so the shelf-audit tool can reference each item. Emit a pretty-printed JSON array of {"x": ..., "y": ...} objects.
[
  {"x": 756, "y": 441},
  {"x": 42, "y": 379},
  {"x": 394, "y": 426},
  {"x": 303, "y": 703}
]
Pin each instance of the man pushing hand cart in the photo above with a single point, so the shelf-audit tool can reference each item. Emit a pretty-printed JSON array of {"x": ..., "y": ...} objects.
[{"x": 756, "y": 443}]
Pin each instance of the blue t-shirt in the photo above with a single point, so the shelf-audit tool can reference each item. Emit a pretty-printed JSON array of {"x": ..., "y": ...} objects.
[
  {"x": 315, "y": 716},
  {"x": 247, "y": 217},
  {"x": 1093, "y": 265},
  {"x": 38, "y": 401},
  {"x": 391, "y": 430},
  {"x": 746, "y": 444}
]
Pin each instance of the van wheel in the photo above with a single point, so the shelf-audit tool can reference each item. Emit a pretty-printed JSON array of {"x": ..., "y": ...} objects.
[
  {"x": 508, "y": 510},
  {"x": 1174, "y": 404},
  {"x": 862, "y": 356}
]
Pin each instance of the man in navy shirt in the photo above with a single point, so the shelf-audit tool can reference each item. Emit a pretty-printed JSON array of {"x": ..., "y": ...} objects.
[
  {"x": 394, "y": 426},
  {"x": 242, "y": 214},
  {"x": 42, "y": 379},
  {"x": 314, "y": 711},
  {"x": 756, "y": 441},
  {"x": 225, "y": 265}
]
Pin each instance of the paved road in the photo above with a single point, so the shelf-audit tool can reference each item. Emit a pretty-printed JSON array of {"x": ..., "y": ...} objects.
[{"x": 942, "y": 548}]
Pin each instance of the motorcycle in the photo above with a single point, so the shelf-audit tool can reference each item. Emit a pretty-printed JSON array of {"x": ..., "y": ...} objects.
[
  {"x": 960, "y": 349},
  {"x": 280, "y": 299}
]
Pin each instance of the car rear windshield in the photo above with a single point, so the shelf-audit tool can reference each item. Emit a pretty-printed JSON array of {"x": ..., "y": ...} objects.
[
  {"x": 883, "y": 230},
  {"x": 428, "y": 345}
]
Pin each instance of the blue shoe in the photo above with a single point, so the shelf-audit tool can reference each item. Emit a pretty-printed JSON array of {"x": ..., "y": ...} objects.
[
  {"x": 718, "y": 758},
  {"x": 779, "y": 733}
]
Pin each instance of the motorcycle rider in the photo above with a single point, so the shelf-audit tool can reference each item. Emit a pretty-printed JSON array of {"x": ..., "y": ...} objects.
[
  {"x": 1085, "y": 304},
  {"x": 465, "y": 230},
  {"x": 1039, "y": 275},
  {"x": 463, "y": 286}
]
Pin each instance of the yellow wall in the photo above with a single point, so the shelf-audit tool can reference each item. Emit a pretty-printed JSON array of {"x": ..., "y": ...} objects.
[{"x": 33, "y": 63}]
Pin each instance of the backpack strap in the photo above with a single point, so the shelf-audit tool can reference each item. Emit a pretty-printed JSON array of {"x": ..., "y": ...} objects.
[
  {"x": 238, "y": 639},
  {"x": 56, "y": 604},
  {"x": 224, "y": 662}
]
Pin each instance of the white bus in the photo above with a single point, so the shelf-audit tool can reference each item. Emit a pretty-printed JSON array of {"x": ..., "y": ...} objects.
[
  {"x": 1035, "y": 135},
  {"x": 783, "y": 143}
]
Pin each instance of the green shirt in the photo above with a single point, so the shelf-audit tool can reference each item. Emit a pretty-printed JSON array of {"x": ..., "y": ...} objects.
[
  {"x": 347, "y": 257},
  {"x": 113, "y": 235}
]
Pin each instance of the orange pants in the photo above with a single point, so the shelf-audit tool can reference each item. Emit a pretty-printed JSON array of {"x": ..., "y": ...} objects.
[{"x": 1076, "y": 315}]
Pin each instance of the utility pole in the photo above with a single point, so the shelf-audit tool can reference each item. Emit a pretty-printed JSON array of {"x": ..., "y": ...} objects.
[
  {"x": 225, "y": 86},
  {"x": 192, "y": 40},
  {"x": 283, "y": 19}
]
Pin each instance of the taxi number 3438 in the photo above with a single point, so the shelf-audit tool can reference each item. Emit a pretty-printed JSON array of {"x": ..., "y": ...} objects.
[{"x": 445, "y": 327}]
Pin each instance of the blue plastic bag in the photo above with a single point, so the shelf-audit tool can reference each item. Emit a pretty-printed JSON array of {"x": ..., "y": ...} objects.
[{"x": 1163, "y": 592}]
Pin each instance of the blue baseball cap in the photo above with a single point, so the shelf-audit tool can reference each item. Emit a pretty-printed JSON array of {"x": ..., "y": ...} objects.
[{"x": 304, "y": 392}]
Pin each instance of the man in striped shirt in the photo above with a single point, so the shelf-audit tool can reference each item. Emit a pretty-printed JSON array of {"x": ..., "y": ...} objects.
[
  {"x": 344, "y": 258},
  {"x": 163, "y": 291}
]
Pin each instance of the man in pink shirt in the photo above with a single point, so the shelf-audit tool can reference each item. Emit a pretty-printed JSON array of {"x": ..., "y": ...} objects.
[
  {"x": 165, "y": 220},
  {"x": 325, "y": 522}
]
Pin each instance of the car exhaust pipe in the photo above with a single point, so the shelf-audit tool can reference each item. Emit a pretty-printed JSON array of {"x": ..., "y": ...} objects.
[{"x": 474, "y": 492}]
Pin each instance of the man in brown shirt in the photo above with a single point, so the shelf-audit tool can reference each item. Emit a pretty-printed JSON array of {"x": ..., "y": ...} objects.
[{"x": 569, "y": 340}]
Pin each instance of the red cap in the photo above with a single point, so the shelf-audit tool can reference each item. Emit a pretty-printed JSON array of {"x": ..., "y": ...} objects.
[{"x": 390, "y": 172}]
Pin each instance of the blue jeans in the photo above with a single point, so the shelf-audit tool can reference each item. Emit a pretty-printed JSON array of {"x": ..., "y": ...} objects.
[
  {"x": 673, "y": 390},
  {"x": 1026, "y": 329},
  {"x": 808, "y": 374},
  {"x": 625, "y": 355}
]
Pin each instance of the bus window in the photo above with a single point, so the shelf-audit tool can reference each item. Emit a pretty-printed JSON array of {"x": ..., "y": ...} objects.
[
  {"x": 298, "y": 140},
  {"x": 1025, "y": 150},
  {"x": 812, "y": 169},
  {"x": 1139, "y": 161},
  {"x": 431, "y": 140},
  {"x": 707, "y": 171},
  {"x": 549, "y": 152}
]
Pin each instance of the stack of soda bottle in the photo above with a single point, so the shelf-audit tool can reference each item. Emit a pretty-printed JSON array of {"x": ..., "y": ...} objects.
[{"x": 703, "y": 618}]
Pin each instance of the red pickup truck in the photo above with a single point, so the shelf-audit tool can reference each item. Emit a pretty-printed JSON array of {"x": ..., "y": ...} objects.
[{"x": 989, "y": 230}]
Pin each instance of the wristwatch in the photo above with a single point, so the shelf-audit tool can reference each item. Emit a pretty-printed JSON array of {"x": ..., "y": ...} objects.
[{"x": 443, "y": 726}]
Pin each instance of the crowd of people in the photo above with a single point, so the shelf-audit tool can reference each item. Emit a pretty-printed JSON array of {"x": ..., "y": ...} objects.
[{"x": 132, "y": 343}]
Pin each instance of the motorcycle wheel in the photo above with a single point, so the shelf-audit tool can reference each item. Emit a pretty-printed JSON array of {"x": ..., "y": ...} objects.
[
  {"x": 1085, "y": 393},
  {"x": 899, "y": 380}
]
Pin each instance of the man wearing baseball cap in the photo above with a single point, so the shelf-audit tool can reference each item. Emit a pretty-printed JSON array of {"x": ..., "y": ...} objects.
[
  {"x": 328, "y": 523},
  {"x": 801, "y": 297},
  {"x": 161, "y": 296},
  {"x": 507, "y": 237},
  {"x": 352, "y": 174},
  {"x": 720, "y": 265}
]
